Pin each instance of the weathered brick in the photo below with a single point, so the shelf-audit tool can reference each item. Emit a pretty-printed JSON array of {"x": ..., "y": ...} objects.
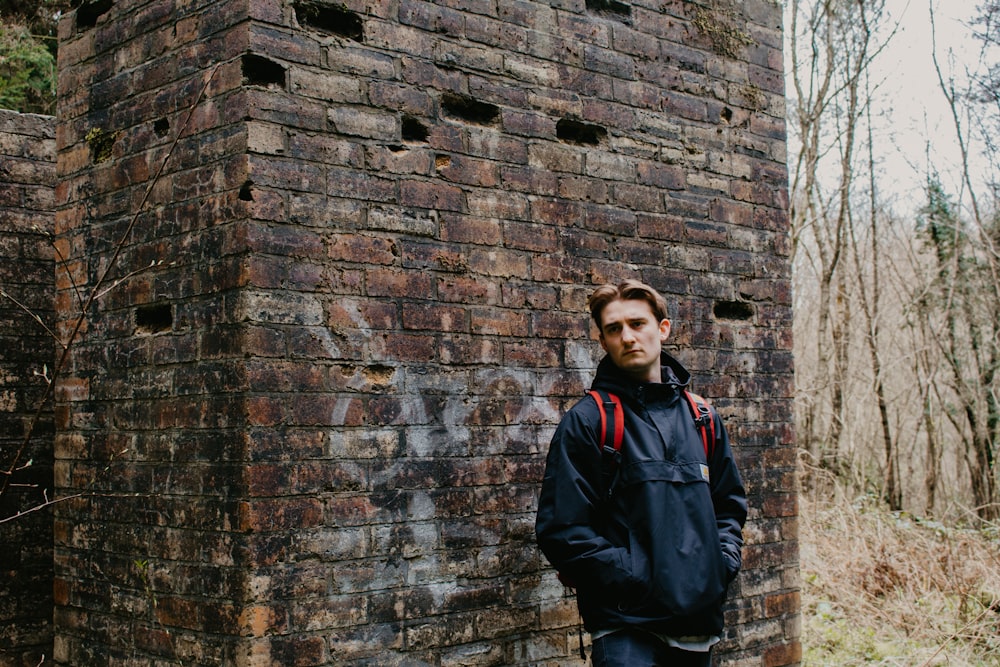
[
  {"x": 399, "y": 97},
  {"x": 325, "y": 86},
  {"x": 426, "y": 317},
  {"x": 363, "y": 249},
  {"x": 432, "y": 195},
  {"x": 363, "y": 122},
  {"x": 468, "y": 171}
]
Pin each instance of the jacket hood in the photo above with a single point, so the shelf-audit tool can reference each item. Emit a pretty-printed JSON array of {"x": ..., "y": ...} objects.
[{"x": 611, "y": 378}]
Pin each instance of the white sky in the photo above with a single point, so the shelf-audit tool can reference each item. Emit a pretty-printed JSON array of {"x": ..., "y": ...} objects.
[{"x": 917, "y": 127}]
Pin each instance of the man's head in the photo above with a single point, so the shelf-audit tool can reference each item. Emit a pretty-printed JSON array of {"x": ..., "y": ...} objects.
[{"x": 632, "y": 322}]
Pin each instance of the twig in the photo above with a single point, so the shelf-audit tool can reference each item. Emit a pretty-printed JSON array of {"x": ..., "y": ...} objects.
[
  {"x": 955, "y": 635},
  {"x": 10, "y": 297},
  {"x": 39, "y": 507},
  {"x": 97, "y": 291}
]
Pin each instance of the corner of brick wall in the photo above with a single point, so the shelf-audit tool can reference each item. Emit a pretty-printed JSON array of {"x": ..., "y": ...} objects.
[
  {"x": 319, "y": 425},
  {"x": 27, "y": 179}
]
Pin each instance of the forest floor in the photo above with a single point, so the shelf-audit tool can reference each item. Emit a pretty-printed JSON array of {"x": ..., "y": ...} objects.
[{"x": 887, "y": 588}]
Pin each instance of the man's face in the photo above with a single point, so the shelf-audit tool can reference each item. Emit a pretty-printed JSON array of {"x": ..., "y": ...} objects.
[{"x": 633, "y": 338}]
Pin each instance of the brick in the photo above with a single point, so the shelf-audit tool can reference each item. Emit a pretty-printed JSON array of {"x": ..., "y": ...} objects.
[
  {"x": 279, "y": 44},
  {"x": 530, "y": 355},
  {"x": 351, "y": 183},
  {"x": 276, "y": 514},
  {"x": 362, "y": 122},
  {"x": 783, "y": 654},
  {"x": 493, "y": 32},
  {"x": 274, "y": 107},
  {"x": 505, "y": 205},
  {"x": 608, "y": 61},
  {"x": 527, "y": 123},
  {"x": 325, "y": 86},
  {"x": 394, "y": 282},
  {"x": 362, "y": 249},
  {"x": 431, "y": 17},
  {"x": 400, "y": 38},
  {"x": 466, "y": 350},
  {"x": 467, "y": 290},
  {"x": 537, "y": 238},
  {"x": 467, "y": 171},
  {"x": 661, "y": 176},
  {"x": 399, "y": 97},
  {"x": 784, "y": 603},
  {"x": 556, "y": 158},
  {"x": 404, "y": 347},
  {"x": 435, "y": 318},
  {"x": 469, "y": 229},
  {"x": 427, "y": 194}
]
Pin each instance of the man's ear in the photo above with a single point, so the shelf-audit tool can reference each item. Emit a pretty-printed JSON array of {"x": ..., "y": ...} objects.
[
  {"x": 664, "y": 330},
  {"x": 604, "y": 346}
]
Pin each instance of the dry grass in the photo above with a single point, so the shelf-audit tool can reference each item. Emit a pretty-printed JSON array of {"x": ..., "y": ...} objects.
[{"x": 883, "y": 588}]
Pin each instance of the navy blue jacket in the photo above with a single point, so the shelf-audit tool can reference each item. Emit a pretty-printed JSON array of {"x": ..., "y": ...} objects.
[{"x": 662, "y": 550}]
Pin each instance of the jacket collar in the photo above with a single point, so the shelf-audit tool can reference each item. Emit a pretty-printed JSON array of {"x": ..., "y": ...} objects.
[{"x": 611, "y": 378}]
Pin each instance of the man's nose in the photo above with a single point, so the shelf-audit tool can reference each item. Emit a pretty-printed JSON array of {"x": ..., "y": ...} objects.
[{"x": 628, "y": 335}]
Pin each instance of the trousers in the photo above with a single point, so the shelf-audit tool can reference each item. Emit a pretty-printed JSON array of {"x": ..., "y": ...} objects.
[{"x": 636, "y": 648}]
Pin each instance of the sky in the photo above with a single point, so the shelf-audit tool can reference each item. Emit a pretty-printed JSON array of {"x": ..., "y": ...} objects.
[{"x": 915, "y": 127}]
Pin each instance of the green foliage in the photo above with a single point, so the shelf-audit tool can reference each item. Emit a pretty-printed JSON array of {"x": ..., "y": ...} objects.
[
  {"x": 27, "y": 72},
  {"x": 938, "y": 221}
]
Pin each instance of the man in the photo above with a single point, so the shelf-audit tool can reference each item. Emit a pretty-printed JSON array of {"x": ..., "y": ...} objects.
[{"x": 650, "y": 537}]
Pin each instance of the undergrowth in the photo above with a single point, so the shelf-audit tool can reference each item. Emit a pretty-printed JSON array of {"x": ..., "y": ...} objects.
[{"x": 887, "y": 588}]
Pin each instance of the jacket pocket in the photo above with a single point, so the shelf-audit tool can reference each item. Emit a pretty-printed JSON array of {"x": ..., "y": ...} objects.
[{"x": 674, "y": 522}]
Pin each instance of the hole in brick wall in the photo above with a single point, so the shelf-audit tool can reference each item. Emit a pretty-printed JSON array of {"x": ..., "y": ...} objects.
[
  {"x": 727, "y": 115},
  {"x": 246, "y": 192},
  {"x": 259, "y": 71},
  {"x": 88, "y": 13},
  {"x": 732, "y": 310},
  {"x": 469, "y": 109},
  {"x": 161, "y": 127},
  {"x": 576, "y": 132},
  {"x": 614, "y": 7},
  {"x": 101, "y": 144},
  {"x": 331, "y": 19},
  {"x": 413, "y": 129},
  {"x": 153, "y": 319}
]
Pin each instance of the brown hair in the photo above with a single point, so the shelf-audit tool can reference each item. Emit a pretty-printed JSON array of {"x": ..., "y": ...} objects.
[{"x": 628, "y": 290}]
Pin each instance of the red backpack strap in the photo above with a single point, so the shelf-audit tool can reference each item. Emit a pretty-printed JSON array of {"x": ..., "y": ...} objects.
[
  {"x": 612, "y": 432},
  {"x": 702, "y": 414},
  {"x": 612, "y": 420}
]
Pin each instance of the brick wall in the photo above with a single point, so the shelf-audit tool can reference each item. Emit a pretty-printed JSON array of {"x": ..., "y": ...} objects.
[
  {"x": 355, "y": 242},
  {"x": 27, "y": 176}
]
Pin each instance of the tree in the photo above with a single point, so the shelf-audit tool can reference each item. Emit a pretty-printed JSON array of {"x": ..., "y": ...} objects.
[
  {"x": 27, "y": 72},
  {"x": 965, "y": 248},
  {"x": 831, "y": 46},
  {"x": 28, "y": 54}
]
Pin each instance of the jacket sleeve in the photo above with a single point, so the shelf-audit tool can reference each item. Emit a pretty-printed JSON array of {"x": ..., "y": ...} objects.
[
  {"x": 570, "y": 502},
  {"x": 728, "y": 497}
]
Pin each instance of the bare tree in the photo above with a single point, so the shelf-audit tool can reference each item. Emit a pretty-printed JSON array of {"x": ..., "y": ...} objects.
[
  {"x": 963, "y": 235},
  {"x": 831, "y": 49}
]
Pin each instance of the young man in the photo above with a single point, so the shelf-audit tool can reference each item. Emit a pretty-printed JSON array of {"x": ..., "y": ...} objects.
[{"x": 651, "y": 536}]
